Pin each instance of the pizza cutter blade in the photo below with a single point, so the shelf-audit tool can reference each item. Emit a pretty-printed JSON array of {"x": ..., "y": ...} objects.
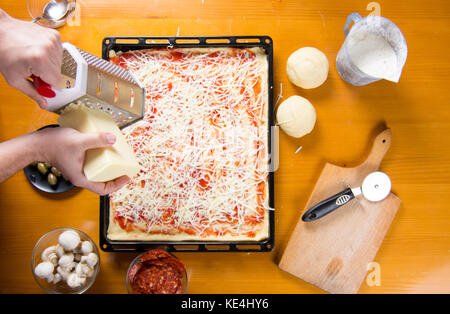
[{"x": 375, "y": 187}]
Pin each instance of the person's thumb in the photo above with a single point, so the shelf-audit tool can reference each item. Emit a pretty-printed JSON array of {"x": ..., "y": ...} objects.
[
  {"x": 28, "y": 89},
  {"x": 96, "y": 140},
  {"x": 103, "y": 188}
]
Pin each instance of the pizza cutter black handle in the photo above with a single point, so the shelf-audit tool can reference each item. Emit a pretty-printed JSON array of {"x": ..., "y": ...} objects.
[{"x": 327, "y": 206}]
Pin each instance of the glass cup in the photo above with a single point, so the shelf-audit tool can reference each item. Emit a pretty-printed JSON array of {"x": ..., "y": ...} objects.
[{"x": 36, "y": 8}]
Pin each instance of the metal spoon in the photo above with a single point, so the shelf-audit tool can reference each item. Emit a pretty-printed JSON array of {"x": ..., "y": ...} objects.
[{"x": 54, "y": 11}]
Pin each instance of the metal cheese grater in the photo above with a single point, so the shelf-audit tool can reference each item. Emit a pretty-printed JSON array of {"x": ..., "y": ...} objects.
[{"x": 96, "y": 83}]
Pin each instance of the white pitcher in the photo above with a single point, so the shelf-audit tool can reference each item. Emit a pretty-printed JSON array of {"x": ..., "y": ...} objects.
[{"x": 373, "y": 49}]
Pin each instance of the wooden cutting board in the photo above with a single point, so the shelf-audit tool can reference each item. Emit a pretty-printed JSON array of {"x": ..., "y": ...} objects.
[{"x": 333, "y": 252}]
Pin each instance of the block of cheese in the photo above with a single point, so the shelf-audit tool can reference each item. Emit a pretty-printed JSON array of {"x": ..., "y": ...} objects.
[{"x": 101, "y": 164}]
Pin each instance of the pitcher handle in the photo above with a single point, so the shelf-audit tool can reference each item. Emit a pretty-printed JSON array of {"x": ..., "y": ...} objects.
[{"x": 354, "y": 17}]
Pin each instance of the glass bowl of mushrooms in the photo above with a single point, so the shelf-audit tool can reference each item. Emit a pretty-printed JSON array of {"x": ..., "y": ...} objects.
[{"x": 65, "y": 261}]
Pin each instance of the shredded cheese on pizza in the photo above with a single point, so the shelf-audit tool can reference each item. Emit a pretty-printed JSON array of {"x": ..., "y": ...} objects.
[{"x": 202, "y": 145}]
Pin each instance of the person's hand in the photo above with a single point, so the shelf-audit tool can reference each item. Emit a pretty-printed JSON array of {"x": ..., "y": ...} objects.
[
  {"x": 65, "y": 148},
  {"x": 27, "y": 48}
]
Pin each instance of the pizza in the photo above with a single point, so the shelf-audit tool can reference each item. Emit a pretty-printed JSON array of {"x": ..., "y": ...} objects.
[{"x": 202, "y": 147}]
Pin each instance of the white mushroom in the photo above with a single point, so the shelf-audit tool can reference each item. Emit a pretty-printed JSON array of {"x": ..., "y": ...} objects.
[
  {"x": 44, "y": 270},
  {"x": 47, "y": 251},
  {"x": 49, "y": 255},
  {"x": 75, "y": 281},
  {"x": 53, "y": 258},
  {"x": 63, "y": 272},
  {"x": 84, "y": 270},
  {"x": 71, "y": 266},
  {"x": 59, "y": 250},
  {"x": 65, "y": 260},
  {"x": 50, "y": 278},
  {"x": 79, "y": 269},
  {"x": 57, "y": 278},
  {"x": 69, "y": 240},
  {"x": 86, "y": 247},
  {"x": 91, "y": 259}
]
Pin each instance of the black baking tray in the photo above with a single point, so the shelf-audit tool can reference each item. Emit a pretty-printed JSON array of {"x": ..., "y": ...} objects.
[{"x": 136, "y": 43}]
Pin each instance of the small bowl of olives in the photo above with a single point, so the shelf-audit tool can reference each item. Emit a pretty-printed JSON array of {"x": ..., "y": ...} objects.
[{"x": 46, "y": 177}]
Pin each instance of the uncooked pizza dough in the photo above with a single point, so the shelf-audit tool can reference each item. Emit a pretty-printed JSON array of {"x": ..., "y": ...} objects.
[
  {"x": 307, "y": 67},
  {"x": 296, "y": 116}
]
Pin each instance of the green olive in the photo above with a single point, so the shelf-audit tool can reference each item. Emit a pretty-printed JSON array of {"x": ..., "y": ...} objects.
[
  {"x": 47, "y": 165},
  {"x": 56, "y": 172},
  {"x": 42, "y": 168},
  {"x": 51, "y": 178}
]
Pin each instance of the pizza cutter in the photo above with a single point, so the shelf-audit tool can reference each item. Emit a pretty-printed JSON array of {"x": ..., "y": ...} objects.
[{"x": 375, "y": 187}]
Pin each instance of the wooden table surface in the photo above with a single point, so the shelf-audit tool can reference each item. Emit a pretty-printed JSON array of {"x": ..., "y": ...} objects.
[{"x": 415, "y": 255}]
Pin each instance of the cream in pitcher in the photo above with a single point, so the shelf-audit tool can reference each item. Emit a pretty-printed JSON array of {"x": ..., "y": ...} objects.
[{"x": 374, "y": 49}]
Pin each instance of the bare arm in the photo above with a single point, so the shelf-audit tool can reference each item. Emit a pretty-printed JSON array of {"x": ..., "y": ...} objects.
[
  {"x": 64, "y": 148},
  {"x": 26, "y": 49},
  {"x": 17, "y": 153}
]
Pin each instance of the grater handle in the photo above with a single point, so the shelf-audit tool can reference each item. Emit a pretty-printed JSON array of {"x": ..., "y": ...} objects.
[
  {"x": 64, "y": 96},
  {"x": 43, "y": 88}
]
